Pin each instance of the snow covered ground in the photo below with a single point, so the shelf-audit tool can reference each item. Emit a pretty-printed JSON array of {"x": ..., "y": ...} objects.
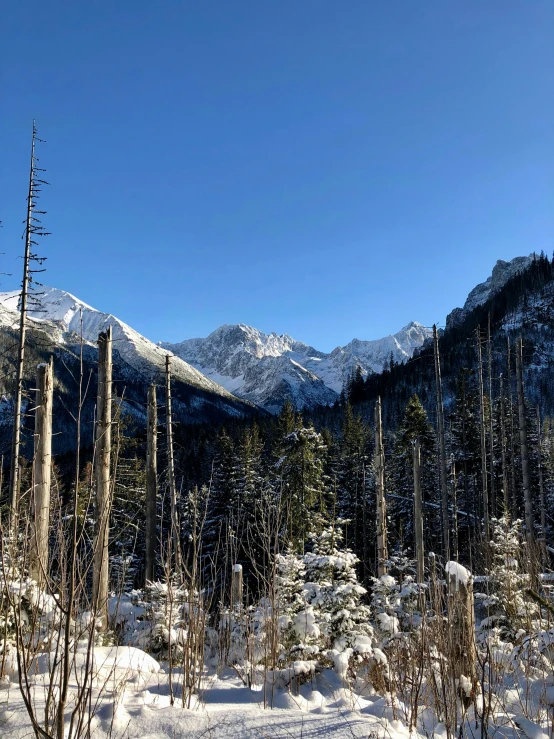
[{"x": 131, "y": 698}]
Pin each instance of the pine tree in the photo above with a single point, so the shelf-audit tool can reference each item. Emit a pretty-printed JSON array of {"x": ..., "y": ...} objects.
[
  {"x": 301, "y": 481},
  {"x": 414, "y": 425},
  {"x": 222, "y": 489},
  {"x": 466, "y": 455},
  {"x": 355, "y": 501}
]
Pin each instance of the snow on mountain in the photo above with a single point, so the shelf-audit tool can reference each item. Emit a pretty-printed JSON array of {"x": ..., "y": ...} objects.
[
  {"x": 501, "y": 273},
  {"x": 60, "y": 314},
  {"x": 270, "y": 368},
  {"x": 265, "y": 369}
]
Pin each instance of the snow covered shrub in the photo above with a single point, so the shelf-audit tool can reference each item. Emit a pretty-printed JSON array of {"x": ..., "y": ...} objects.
[
  {"x": 159, "y": 619},
  {"x": 247, "y": 636},
  {"x": 300, "y": 635},
  {"x": 394, "y": 599},
  {"x": 510, "y": 613},
  {"x": 333, "y": 594},
  {"x": 323, "y": 617}
]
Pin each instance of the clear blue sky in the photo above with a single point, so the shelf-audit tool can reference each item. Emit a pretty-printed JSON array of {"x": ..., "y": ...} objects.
[{"x": 321, "y": 168}]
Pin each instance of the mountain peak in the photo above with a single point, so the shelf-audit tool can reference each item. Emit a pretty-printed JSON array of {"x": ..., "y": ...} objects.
[
  {"x": 270, "y": 368},
  {"x": 59, "y": 312},
  {"x": 502, "y": 271}
]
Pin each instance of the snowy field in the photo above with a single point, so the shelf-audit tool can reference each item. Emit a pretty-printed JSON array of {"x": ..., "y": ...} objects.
[
  {"x": 131, "y": 698},
  {"x": 327, "y": 660}
]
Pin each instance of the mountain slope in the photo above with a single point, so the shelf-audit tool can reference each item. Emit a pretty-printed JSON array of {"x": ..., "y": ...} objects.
[
  {"x": 523, "y": 306},
  {"x": 502, "y": 272},
  {"x": 63, "y": 310},
  {"x": 270, "y": 368},
  {"x": 56, "y": 329}
]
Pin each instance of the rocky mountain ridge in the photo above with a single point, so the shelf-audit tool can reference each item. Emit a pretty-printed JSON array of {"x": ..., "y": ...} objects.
[
  {"x": 269, "y": 368},
  {"x": 501, "y": 273}
]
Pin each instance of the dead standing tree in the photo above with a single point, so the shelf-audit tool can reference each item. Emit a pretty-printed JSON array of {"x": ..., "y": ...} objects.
[
  {"x": 483, "y": 439},
  {"x": 33, "y": 229},
  {"x": 103, "y": 477},
  {"x": 382, "y": 549},
  {"x": 491, "y": 420},
  {"x": 524, "y": 449},
  {"x": 175, "y": 529},
  {"x": 418, "y": 524},
  {"x": 442, "y": 450},
  {"x": 542, "y": 501},
  {"x": 505, "y": 498},
  {"x": 42, "y": 473},
  {"x": 151, "y": 484}
]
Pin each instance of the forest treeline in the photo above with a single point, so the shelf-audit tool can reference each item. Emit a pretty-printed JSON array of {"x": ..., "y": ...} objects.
[{"x": 321, "y": 466}]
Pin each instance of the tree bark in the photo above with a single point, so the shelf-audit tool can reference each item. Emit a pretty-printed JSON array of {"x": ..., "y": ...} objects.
[
  {"x": 103, "y": 477},
  {"x": 382, "y": 548},
  {"x": 442, "y": 451},
  {"x": 236, "y": 587},
  {"x": 483, "y": 439},
  {"x": 491, "y": 425},
  {"x": 151, "y": 484},
  {"x": 541, "y": 480},
  {"x": 15, "y": 476},
  {"x": 175, "y": 529},
  {"x": 512, "y": 433},
  {"x": 524, "y": 447},
  {"x": 418, "y": 514},
  {"x": 42, "y": 474},
  {"x": 505, "y": 497},
  {"x": 462, "y": 638}
]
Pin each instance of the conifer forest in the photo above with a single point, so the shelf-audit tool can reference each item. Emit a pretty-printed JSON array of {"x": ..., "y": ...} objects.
[{"x": 379, "y": 565}]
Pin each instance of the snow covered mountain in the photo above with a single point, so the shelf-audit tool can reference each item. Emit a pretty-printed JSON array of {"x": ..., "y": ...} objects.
[
  {"x": 238, "y": 363},
  {"x": 501, "y": 273},
  {"x": 269, "y": 368},
  {"x": 60, "y": 315}
]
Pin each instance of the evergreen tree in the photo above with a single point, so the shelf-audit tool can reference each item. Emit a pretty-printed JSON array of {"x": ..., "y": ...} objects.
[
  {"x": 221, "y": 500},
  {"x": 356, "y": 386},
  {"x": 414, "y": 425},
  {"x": 354, "y": 486},
  {"x": 301, "y": 481}
]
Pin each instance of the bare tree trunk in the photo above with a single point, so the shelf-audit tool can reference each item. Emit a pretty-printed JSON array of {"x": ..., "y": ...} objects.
[
  {"x": 418, "y": 515},
  {"x": 524, "y": 447},
  {"x": 512, "y": 434},
  {"x": 42, "y": 473},
  {"x": 151, "y": 484},
  {"x": 505, "y": 497},
  {"x": 491, "y": 425},
  {"x": 16, "y": 432},
  {"x": 442, "y": 451},
  {"x": 483, "y": 439},
  {"x": 103, "y": 477},
  {"x": 382, "y": 548},
  {"x": 236, "y": 587},
  {"x": 175, "y": 532},
  {"x": 455, "y": 537},
  {"x": 462, "y": 623},
  {"x": 541, "y": 481}
]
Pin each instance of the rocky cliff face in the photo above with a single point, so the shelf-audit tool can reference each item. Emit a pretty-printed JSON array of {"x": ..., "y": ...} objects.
[
  {"x": 270, "y": 368},
  {"x": 501, "y": 273},
  {"x": 62, "y": 318}
]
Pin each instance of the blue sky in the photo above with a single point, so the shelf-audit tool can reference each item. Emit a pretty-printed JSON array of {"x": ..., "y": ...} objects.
[{"x": 325, "y": 169}]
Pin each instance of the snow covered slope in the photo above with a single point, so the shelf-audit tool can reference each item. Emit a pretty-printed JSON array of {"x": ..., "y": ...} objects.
[
  {"x": 60, "y": 315},
  {"x": 269, "y": 368},
  {"x": 501, "y": 273}
]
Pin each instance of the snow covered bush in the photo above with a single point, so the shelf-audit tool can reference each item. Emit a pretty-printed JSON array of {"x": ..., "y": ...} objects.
[
  {"x": 323, "y": 617},
  {"x": 158, "y": 619},
  {"x": 510, "y": 612},
  {"x": 394, "y": 599}
]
